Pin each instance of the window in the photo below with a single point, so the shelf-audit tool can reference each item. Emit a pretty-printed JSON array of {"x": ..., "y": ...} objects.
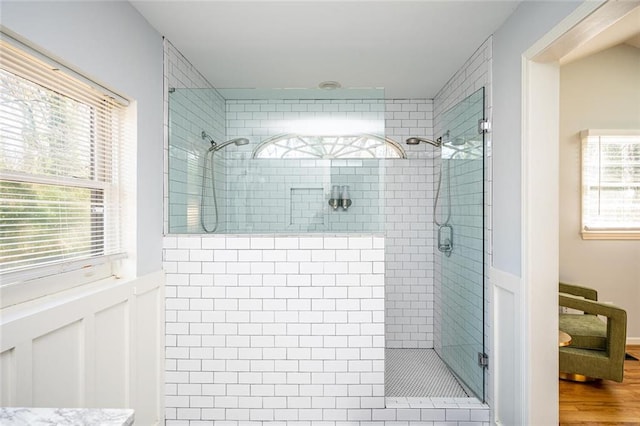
[
  {"x": 63, "y": 164},
  {"x": 328, "y": 147},
  {"x": 611, "y": 184}
]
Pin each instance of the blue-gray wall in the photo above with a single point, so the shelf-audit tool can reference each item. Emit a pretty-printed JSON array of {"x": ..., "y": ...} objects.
[
  {"x": 525, "y": 26},
  {"x": 525, "y": 391}
]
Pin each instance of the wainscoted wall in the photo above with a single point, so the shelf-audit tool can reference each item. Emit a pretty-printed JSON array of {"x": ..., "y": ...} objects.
[
  {"x": 506, "y": 370},
  {"x": 99, "y": 346}
]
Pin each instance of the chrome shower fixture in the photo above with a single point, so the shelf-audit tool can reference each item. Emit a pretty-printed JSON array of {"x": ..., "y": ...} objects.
[
  {"x": 215, "y": 146},
  {"x": 340, "y": 197},
  {"x": 416, "y": 140},
  {"x": 205, "y": 137},
  {"x": 236, "y": 141},
  {"x": 208, "y": 160}
]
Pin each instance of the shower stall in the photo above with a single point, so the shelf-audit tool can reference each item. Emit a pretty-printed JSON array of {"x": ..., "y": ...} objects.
[
  {"x": 456, "y": 365},
  {"x": 292, "y": 215}
]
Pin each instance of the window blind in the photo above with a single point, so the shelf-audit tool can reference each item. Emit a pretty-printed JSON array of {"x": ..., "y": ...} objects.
[
  {"x": 610, "y": 181},
  {"x": 64, "y": 165}
]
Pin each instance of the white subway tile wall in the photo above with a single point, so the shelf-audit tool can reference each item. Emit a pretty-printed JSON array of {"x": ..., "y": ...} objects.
[
  {"x": 409, "y": 195},
  {"x": 472, "y": 235},
  {"x": 192, "y": 106},
  {"x": 401, "y": 207},
  {"x": 190, "y": 112},
  {"x": 256, "y": 195},
  {"x": 256, "y": 325},
  {"x": 291, "y": 195},
  {"x": 264, "y": 118},
  {"x": 273, "y": 195},
  {"x": 409, "y": 253},
  {"x": 282, "y": 329}
]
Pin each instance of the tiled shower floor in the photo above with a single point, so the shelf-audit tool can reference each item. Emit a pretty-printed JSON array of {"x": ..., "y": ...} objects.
[{"x": 418, "y": 373}]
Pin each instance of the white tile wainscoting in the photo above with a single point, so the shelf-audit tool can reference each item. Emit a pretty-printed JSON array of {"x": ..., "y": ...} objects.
[{"x": 282, "y": 330}]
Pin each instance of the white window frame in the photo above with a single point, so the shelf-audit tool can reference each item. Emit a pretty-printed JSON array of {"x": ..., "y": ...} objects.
[
  {"x": 359, "y": 146},
  {"x": 588, "y": 230},
  {"x": 41, "y": 280}
]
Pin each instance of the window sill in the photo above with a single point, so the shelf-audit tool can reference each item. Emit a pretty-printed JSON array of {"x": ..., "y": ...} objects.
[
  {"x": 610, "y": 235},
  {"x": 21, "y": 291},
  {"x": 109, "y": 287}
]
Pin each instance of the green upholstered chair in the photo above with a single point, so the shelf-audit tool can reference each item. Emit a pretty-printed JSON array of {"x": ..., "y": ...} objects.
[{"x": 597, "y": 347}]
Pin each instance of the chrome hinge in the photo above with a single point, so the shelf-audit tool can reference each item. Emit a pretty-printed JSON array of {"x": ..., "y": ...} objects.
[
  {"x": 483, "y": 126},
  {"x": 483, "y": 360}
]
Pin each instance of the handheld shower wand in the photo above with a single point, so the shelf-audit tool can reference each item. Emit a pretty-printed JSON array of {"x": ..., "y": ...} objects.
[
  {"x": 445, "y": 230},
  {"x": 416, "y": 140},
  {"x": 214, "y": 147}
]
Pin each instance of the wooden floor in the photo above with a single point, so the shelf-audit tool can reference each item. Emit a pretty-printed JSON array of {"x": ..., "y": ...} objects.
[{"x": 603, "y": 402}]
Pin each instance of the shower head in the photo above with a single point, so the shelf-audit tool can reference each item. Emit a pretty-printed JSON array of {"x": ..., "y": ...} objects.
[
  {"x": 216, "y": 147},
  {"x": 236, "y": 141},
  {"x": 416, "y": 140}
]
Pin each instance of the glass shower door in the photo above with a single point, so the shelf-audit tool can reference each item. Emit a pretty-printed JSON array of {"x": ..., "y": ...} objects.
[{"x": 460, "y": 241}]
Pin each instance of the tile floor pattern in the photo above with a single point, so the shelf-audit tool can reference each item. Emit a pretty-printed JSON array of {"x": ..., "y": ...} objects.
[{"x": 415, "y": 373}]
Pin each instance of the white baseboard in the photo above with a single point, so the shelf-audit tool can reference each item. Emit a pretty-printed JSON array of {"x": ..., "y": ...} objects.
[{"x": 633, "y": 340}]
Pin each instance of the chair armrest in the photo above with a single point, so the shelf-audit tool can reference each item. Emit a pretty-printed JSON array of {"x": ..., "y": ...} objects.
[
  {"x": 592, "y": 307},
  {"x": 576, "y": 290},
  {"x": 616, "y": 320}
]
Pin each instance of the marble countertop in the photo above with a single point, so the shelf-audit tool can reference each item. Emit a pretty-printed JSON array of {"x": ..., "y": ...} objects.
[{"x": 18, "y": 416}]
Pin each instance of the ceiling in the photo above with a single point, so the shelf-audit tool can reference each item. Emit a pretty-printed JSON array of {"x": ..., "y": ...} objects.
[{"x": 410, "y": 48}]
